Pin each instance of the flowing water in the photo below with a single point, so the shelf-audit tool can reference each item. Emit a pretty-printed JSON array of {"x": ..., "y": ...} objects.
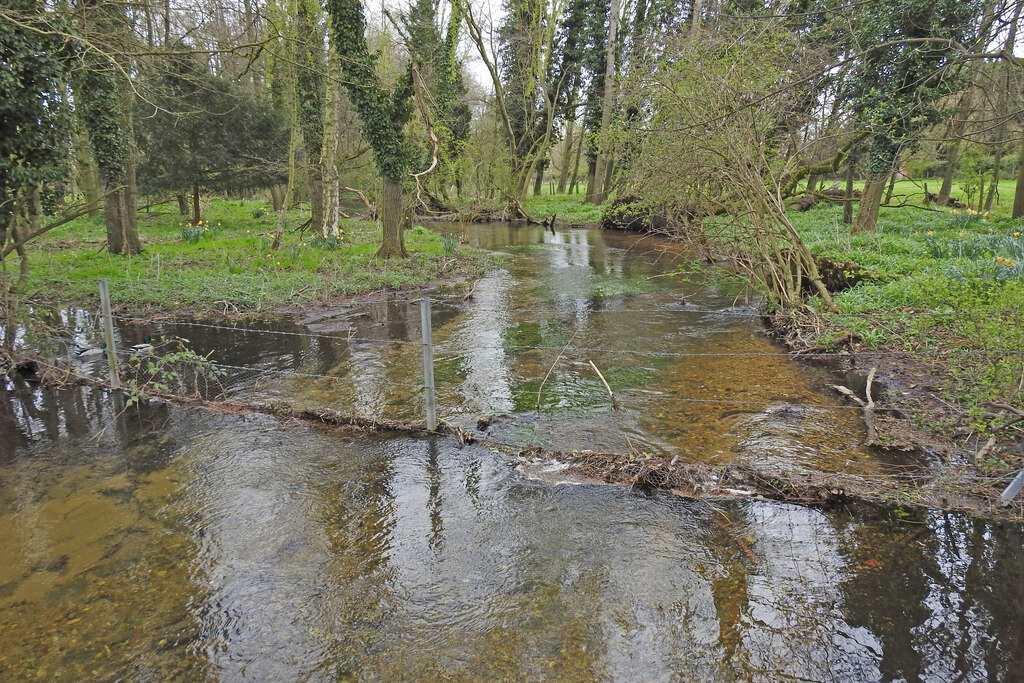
[{"x": 164, "y": 543}]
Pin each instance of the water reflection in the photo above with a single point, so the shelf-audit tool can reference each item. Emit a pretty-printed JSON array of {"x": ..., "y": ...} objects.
[
  {"x": 608, "y": 299},
  {"x": 256, "y": 552},
  {"x": 164, "y": 543}
]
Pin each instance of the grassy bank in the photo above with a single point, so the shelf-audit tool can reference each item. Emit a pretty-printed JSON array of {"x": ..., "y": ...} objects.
[
  {"x": 946, "y": 286},
  {"x": 227, "y": 263}
]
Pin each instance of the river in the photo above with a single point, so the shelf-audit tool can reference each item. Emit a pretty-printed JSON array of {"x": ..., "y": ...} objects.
[{"x": 163, "y": 543}]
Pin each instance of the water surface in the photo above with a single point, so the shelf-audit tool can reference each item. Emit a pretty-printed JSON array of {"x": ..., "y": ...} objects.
[{"x": 162, "y": 543}]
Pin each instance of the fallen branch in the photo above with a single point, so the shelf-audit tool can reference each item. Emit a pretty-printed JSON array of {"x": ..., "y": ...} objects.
[
  {"x": 868, "y": 406},
  {"x": 370, "y": 208}
]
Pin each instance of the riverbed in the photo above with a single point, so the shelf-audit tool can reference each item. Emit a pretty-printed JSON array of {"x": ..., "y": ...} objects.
[{"x": 163, "y": 542}]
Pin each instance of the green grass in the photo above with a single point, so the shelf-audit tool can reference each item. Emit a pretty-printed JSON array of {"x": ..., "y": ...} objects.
[
  {"x": 947, "y": 281},
  {"x": 227, "y": 264},
  {"x": 912, "y": 192},
  {"x": 567, "y": 207}
]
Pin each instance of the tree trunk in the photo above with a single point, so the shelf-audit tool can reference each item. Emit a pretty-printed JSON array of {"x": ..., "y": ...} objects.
[
  {"x": 604, "y": 157},
  {"x": 392, "y": 241},
  {"x": 892, "y": 186},
  {"x": 563, "y": 176},
  {"x": 870, "y": 199},
  {"x": 330, "y": 182},
  {"x": 576, "y": 164},
  {"x": 812, "y": 184},
  {"x": 87, "y": 177},
  {"x": 993, "y": 189},
  {"x": 277, "y": 196},
  {"x": 848, "y": 195},
  {"x": 609, "y": 173},
  {"x": 119, "y": 215},
  {"x": 592, "y": 185},
  {"x": 196, "y": 208},
  {"x": 182, "y": 203},
  {"x": 538, "y": 181},
  {"x": 948, "y": 171},
  {"x": 316, "y": 193},
  {"x": 1018, "y": 193}
]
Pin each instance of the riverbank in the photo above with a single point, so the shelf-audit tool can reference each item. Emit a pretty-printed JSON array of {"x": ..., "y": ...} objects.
[
  {"x": 933, "y": 301},
  {"x": 937, "y": 305},
  {"x": 226, "y": 264}
]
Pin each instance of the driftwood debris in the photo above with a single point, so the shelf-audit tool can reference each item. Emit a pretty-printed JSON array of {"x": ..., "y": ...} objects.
[
  {"x": 694, "y": 480},
  {"x": 615, "y": 405},
  {"x": 867, "y": 403}
]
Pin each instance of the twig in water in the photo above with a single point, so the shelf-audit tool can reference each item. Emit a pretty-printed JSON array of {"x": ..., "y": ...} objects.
[
  {"x": 560, "y": 354},
  {"x": 605, "y": 382}
]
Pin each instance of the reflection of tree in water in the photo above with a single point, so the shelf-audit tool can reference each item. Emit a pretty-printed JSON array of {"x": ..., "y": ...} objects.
[
  {"x": 942, "y": 594},
  {"x": 783, "y": 618},
  {"x": 30, "y": 413},
  {"x": 357, "y": 517}
]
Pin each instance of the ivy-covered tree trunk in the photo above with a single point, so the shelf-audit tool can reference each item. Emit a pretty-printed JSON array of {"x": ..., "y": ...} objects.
[
  {"x": 392, "y": 243},
  {"x": 104, "y": 103},
  {"x": 383, "y": 112},
  {"x": 309, "y": 86},
  {"x": 86, "y": 176}
]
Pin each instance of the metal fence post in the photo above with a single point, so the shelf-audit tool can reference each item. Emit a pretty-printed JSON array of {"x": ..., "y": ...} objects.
[
  {"x": 108, "y": 333},
  {"x": 428, "y": 362}
]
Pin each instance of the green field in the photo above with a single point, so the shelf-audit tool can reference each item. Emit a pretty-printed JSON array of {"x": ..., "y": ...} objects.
[{"x": 227, "y": 263}]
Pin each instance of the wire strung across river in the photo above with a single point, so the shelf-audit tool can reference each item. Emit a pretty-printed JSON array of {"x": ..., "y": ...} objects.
[{"x": 456, "y": 301}]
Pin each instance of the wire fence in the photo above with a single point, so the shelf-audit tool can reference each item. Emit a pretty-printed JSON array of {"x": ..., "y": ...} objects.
[
  {"x": 457, "y": 301},
  {"x": 358, "y": 376},
  {"x": 462, "y": 393}
]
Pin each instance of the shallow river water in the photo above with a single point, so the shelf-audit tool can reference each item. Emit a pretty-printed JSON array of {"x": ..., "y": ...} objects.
[{"x": 165, "y": 543}]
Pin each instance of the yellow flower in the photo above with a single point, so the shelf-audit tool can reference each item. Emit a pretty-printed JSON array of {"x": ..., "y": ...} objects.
[
  {"x": 278, "y": 263},
  {"x": 960, "y": 234},
  {"x": 929, "y": 233},
  {"x": 915, "y": 234},
  {"x": 1017, "y": 234}
]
